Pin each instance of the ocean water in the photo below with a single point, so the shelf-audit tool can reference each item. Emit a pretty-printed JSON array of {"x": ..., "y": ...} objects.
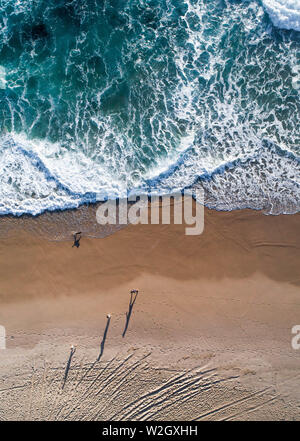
[{"x": 100, "y": 98}]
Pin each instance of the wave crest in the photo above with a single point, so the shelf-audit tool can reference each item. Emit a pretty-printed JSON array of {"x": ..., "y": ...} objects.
[{"x": 285, "y": 14}]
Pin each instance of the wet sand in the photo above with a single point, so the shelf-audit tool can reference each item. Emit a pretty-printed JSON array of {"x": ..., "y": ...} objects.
[{"x": 209, "y": 335}]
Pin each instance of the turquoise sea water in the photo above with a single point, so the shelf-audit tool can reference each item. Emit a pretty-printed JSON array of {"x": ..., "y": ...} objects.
[{"x": 102, "y": 97}]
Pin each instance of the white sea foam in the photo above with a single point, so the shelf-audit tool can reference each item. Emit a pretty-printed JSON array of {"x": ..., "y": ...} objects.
[
  {"x": 2, "y": 77},
  {"x": 284, "y": 13},
  {"x": 31, "y": 183},
  {"x": 35, "y": 179},
  {"x": 215, "y": 138}
]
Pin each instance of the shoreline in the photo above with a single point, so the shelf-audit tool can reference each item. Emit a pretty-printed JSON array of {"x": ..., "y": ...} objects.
[
  {"x": 61, "y": 224},
  {"x": 247, "y": 232},
  {"x": 215, "y": 310}
]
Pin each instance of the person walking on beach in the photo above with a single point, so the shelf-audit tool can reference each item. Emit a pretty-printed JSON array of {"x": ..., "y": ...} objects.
[
  {"x": 77, "y": 237},
  {"x": 133, "y": 296},
  {"x": 72, "y": 352}
]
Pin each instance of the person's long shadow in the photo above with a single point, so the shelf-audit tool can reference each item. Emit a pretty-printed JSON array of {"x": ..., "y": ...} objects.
[
  {"x": 68, "y": 366},
  {"x": 133, "y": 296},
  {"x": 104, "y": 338}
]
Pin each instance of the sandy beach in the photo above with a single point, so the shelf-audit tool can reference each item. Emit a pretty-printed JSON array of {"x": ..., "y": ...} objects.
[{"x": 209, "y": 336}]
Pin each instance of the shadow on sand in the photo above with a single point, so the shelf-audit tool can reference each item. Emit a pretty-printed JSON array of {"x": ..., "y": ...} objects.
[
  {"x": 133, "y": 296},
  {"x": 68, "y": 365},
  {"x": 104, "y": 338}
]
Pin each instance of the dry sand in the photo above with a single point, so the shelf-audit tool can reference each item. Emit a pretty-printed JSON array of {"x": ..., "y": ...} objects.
[{"x": 209, "y": 336}]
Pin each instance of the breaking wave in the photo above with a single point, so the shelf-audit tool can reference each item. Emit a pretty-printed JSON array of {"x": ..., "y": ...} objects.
[{"x": 102, "y": 98}]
